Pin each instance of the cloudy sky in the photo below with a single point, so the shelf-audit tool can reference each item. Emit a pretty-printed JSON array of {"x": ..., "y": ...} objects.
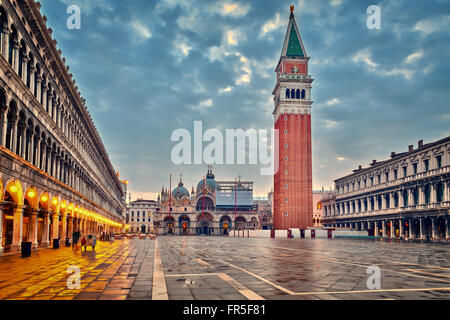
[{"x": 149, "y": 67}]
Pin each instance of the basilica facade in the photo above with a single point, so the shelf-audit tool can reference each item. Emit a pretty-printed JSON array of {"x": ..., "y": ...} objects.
[
  {"x": 212, "y": 208},
  {"x": 55, "y": 174}
]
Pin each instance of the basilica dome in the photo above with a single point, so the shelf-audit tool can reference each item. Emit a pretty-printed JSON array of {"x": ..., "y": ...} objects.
[
  {"x": 180, "y": 191},
  {"x": 211, "y": 184}
]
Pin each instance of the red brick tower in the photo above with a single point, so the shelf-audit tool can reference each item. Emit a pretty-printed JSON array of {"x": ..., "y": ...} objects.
[{"x": 293, "y": 204}]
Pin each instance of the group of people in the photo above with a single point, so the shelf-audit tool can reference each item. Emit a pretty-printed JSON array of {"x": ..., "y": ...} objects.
[{"x": 90, "y": 240}]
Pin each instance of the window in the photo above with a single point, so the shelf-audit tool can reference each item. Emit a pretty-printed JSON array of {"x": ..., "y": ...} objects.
[
  {"x": 405, "y": 171},
  {"x": 285, "y": 145},
  {"x": 359, "y": 185},
  {"x": 286, "y": 214},
  {"x": 439, "y": 162},
  {"x": 415, "y": 168},
  {"x": 379, "y": 178},
  {"x": 365, "y": 183},
  {"x": 288, "y": 94},
  {"x": 426, "y": 164},
  {"x": 297, "y": 95},
  {"x": 293, "y": 94},
  {"x": 285, "y": 186},
  {"x": 386, "y": 175},
  {"x": 285, "y": 131},
  {"x": 286, "y": 200},
  {"x": 303, "y": 94},
  {"x": 286, "y": 159},
  {"x": 395, "y": 174},
  {"x": 371, "y": 181}
]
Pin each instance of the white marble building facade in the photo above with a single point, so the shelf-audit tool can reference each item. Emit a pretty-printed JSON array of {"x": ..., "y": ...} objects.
[{"x": 406, "y": 196}]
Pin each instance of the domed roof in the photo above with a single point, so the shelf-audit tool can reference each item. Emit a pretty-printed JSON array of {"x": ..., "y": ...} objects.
[
  {"x": 180, "y": 191},
  {"x": 211, "y": 184}
]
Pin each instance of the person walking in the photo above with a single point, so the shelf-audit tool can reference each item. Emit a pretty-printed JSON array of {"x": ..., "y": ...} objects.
[
  {"x": 83, "y": 243},
  {"x": 94, "y": 242}
]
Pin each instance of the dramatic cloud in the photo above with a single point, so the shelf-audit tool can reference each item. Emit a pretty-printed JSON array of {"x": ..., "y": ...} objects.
[{"x": 147, "y": 68}]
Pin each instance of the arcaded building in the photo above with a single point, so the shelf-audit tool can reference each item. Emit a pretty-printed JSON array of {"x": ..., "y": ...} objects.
[
  {"x": 55, "y": 174},
  {"x": 293, "y": 203},
  {"x": 406, "y": 196}
]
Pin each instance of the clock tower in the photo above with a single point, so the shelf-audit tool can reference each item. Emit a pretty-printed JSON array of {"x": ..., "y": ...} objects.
[{"x": 293, "y": 203}]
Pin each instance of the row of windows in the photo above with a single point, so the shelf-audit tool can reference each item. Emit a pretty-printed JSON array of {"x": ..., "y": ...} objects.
[
  {"x": 138, "y": 220},
  {"x": 379, "y": 179},
  {"x": 376, "y": 203},
  {"x": 295, "y": 94},
  {"x": 139, "y": 213},
  {"x": 20, "y": 56}
]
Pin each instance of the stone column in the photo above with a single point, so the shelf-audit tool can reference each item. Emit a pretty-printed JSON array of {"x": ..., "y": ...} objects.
[
  {"x": 5, "y": 42},
  {"x": 16, "y": 57},
  {"x": 23, "y": 141},
  {"x": 401, "y": 229},
  {"x": 25, "y": 69},
  {"x": 45, "y": 242},
  {"x": 421, "y": 195},
  {"x": 44, "y": 101},
  {"x": 383, "y": 225},
  {"x": 38, "y": 88},
  {"x": 433, "y": 228},
  {"x": 55, "y": 234},
  {"x": 38, "y": 152},
  {"x": 422, "y": 235},
  {"x": 64, "y": 227},
  {"x": 447, "y": 229},
  {"x": 393, "y": 235},
  {"x": 32, "y": 75},
  {"x": 3, "y": 124},
  {"x": 17, "y": 229},
  {"x": 13, "y": 138},
  {"x": 70, "y": 226},
  {"x": 411, "y": 231},
  {"x": 32, "y": 237},
  {"x": 31, "y": 147},
  {"x": 44, "y": 157},
  {"x": 446, "y": 191}
]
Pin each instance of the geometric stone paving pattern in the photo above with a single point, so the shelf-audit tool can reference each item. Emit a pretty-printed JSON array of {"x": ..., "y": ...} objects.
[{"x": 220, "y": 268}]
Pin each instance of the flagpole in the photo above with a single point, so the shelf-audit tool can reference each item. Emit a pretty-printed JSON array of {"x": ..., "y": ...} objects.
[
  {"x": 235, "y": 199},
  {"x": 170, "y": 197},
  {"x": 204, "y": 186}
]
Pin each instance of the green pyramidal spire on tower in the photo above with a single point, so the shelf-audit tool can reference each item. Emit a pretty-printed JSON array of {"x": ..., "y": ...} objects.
[{"x": 294, "y": 48}]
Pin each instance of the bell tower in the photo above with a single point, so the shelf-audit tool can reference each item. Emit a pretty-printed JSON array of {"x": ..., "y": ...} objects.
[{"x": 293, "y": 203}]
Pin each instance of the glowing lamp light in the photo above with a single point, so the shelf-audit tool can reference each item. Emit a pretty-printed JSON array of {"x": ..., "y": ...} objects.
[
  {"x": 44, "y": 198},
  {"x": 31, "y": 194},
  {"x": 13, "y": 188},
  {"x": 55, "y": 202},
  {"x": 63, "y": 205},
  {"x": 70, "y": 208}
]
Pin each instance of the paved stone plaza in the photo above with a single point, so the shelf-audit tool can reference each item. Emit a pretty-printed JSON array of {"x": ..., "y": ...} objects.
[{"x": 212, "y": 268}]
